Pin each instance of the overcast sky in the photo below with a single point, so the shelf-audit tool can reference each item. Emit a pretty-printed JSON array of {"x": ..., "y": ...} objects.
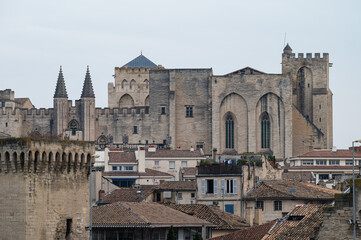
[{"x": 38, "y": 36}]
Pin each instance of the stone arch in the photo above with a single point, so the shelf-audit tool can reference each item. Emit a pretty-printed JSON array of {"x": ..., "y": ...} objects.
[
  {"x": 303, "y": 92},
  {"x": 63, "y": 162},
  {"x": 70, "y": 159},
  {"x": 22, "y": 161},
  {"x": 146, "y": 83},
  {"x": 102, "y": 140},
  {"x": 76, "y": 162},
  {"x": 133, "y": 83},
  {"x": 233, "y": 105},
  {"x": 36, "y": 161},
  {"x": 82, "y": 159},
  {"x": 50, "y": 162},
  {"x": 124, "y": 83},
  {"x": 57, "y": 162},
  {"x": 43, "y": 162},
  {"x": 15, "y": 161},
  {"x": 146, "y": 101},
  {"x": 74, "y": 126},
  {"x": 30, "y": 161},
  {"x": 7, "y": 162},
  {"x": 271, "y": 105},
  {"x": 126, "y": 101},
  {"x": 88, "y": 160}
]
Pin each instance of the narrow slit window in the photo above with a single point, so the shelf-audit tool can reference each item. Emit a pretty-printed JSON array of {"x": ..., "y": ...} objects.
[
  {"x": 265, "y": 131},
  {"x": 229, "y": 132}
]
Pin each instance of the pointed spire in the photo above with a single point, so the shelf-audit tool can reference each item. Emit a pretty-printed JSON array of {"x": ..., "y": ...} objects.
[
  {"x": 60, "y": 90},
  {"x": 287, "y": 49},
  {"x": 88, "y": 91}
]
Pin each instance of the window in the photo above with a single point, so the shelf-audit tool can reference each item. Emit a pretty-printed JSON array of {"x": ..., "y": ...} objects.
[
  {"x": 135, "y": 130},
  {"x": 260, "y": 204},
  {"x": 229, "y": 132},
  {"x": 278, "y": 205},
  {"x": 348, "y": 163},
  {"x": 199, "y": 146},
  {"x": 116, "y": 168},
  {"x": 210, "y": 186},
  {"x": 3, "y": 104},
  {"x": 162, "y": 110},
  {"x": 359, "y": 162},
  {"x": 180, "y": 195},
  {"x": 189, "y": 111},
  {"x": 171, "y": 165},
  {"x": 307, "y": 162},
  {"x": 229, "y": 208},
  {"x": 323, "y": 176},
  {"x": 265, "y": 131},
  {"x": 68, "y": 227},
  {"x": 334, "y": 162},
  {"x": 321, "y": 162},
  {"x": 184, "y": 163},
  {"x": 128, "y": 168},
  {"x": 6, "y": 124},
  {"x": 229, "y": 186},
  {"x": 193, "y": 195},
  {"x": 156, "y": 163}
]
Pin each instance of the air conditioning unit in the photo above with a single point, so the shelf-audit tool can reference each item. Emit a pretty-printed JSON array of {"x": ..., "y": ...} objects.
[{"x": 215, "y": 203}]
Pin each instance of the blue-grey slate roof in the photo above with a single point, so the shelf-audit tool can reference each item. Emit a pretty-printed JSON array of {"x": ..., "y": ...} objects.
[{"x": 139, "y": 62}]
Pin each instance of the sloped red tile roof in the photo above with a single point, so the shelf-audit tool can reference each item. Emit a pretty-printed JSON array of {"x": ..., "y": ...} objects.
[
  {"x": 297, "y": 176},
  {"x": 142, "y": 214},
  {"x": 339, "y": 153},
  {"x": 177, "y": 185},
  {"x": 148, "y": 172},
  {"x": 189, "y": 171},
  {"x": 169, "y": 153},
  {"x": 251, "y": 233},
  {"x": 221, "y": 219},
  {"x": 282, "y": 190},
  {"x": 122, "y": 157},
  {"x": 128, "y": 194}
]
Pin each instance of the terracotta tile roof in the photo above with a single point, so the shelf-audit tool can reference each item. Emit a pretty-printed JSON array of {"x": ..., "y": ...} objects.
[
  {"x": 128, "y": 195},
  {"x": 297, "y": 176},
  {"x": 178, "y": 185},
  {"x": 300, "y": 224},
  {"x": 339, "y": 153},
  {"x": 189, "y": 171},
  {"x": 282, "y": 190},
  {"x": 222, "y": 220},
  {"x": 135, "y": 214},
  {"x": 165, "y": 153},
  {"x": 251, "y": 233},
  {"x": 148, "y": 172},
  {"x": 122, "y": 157}
]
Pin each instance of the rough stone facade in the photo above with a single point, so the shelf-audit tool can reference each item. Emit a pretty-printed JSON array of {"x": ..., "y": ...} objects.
[
  {"x": 283, "y": 114},
  {"x": 44, "y": 188}
]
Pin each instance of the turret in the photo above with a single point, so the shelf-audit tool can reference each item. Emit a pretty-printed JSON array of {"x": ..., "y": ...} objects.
[
  {"x": 61, "y": 106},
  {"x": 87, "y": 108},
  {"x": 287, "y": 50}
]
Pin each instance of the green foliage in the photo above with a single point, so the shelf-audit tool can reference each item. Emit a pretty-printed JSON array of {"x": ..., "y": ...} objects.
[
  {"x": 197, "y": 237},
  {"x": 242, "y": 162},
  {"x": 171, "y": 234},
  {"x": 203, "y": 162}
]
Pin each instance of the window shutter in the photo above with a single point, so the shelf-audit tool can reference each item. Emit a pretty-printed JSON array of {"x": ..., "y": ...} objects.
[
  {"x": 223, "y": 189},
  {"x": 215, "y": 186},
  {"x": 235, "y": 186},
  {"x": 203, "y": 186}
]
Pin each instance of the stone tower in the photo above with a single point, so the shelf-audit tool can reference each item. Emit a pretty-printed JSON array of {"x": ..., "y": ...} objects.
[
  {"x": 312, "y": 96},
  {"x": 61, "y": 106},
  {"x": 87, "y": 109}
]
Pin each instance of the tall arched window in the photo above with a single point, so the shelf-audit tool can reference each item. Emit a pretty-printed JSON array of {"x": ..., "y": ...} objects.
[
  {"x": 229, "y": 132},
  {"x": 266, "y": 131}
]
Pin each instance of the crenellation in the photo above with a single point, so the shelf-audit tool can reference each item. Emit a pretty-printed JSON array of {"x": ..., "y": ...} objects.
[
  {"x": 308, "y": 55},
  {"x": 300, "y": 55},
  {"x": 317, "y": 55}
]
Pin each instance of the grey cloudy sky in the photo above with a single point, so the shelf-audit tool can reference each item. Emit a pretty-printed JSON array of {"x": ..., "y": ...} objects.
[{"x": 38, "y": 36}]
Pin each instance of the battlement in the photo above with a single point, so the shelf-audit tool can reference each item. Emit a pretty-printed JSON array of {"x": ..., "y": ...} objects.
[
  {"x": 307, "y": 57},
  {"x": 136, "y": 69},
  {"x": 144, "y": 110},
  {"x": 25, "y": 111},
  {"x": 41, "y": 156}
]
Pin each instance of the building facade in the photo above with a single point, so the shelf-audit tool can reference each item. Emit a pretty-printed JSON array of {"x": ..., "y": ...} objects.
[{"x": 247, "y": 110}]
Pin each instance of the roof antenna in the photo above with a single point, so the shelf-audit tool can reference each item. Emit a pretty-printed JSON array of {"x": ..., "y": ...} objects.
[
  {"x": 284, "y": 41},
  {"x": 141, "y": 52}
]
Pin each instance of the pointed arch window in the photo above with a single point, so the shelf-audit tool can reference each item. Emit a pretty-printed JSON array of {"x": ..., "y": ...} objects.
[
  {"x": 229, "y": 132},
  {"x": 265, "y": 131}
]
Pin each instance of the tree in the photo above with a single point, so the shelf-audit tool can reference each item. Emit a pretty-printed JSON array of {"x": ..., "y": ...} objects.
[
  {"x": 171, "y": 234},
  {"x": 197, "y": 237}
]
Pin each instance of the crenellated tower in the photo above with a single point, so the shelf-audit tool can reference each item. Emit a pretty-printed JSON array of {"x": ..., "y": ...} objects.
[
  {"x": 61, "y": 107},
  {"x": 312, "y": 96},
  {"x": 87, "y": 109}
]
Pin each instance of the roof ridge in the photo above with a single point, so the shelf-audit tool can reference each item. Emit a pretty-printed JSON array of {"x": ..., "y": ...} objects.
[
  {"x": 279, "y": 190},
  {"x": 134, "y": 214}
]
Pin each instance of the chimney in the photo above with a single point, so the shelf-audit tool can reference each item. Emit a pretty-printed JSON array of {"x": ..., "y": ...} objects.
[
  {"x": 258, "y": 216},
  {"x": 101, "y": 194},
  {"x": 141, "y": 159},
  {"x": 249, "y": 216},
  {"x": 214, "y": 154},
  {"x": 106, "y": 160}
]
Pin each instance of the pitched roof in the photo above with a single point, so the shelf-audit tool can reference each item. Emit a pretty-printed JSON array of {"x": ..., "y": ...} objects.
[
  {"x": 247, "y": 70},
  {"x": 60, "y": 90},
  {"x": 122, "y": 157},
  {"x": 128, "y": 195},
  {"x": 339, "y": 153},
  {"x": 287, "y": 47},
  {"x": 189, "y": 171},
  {"x": 251, "y": 233},
  {"x": 133, "y": 214},
  {"x": 177, "y": 185},
  {"x": 297, "y": 176},
  {"x": 148, "y": 172},
  {"x": 282, "y": 190},
  {"x": 87, "y": 91},
  {"x": 140, "y": 61},
  {"x": 165, "y": 153},
  {"x": 299, "y": 224},
  {"x": 222, "y": 220}
]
